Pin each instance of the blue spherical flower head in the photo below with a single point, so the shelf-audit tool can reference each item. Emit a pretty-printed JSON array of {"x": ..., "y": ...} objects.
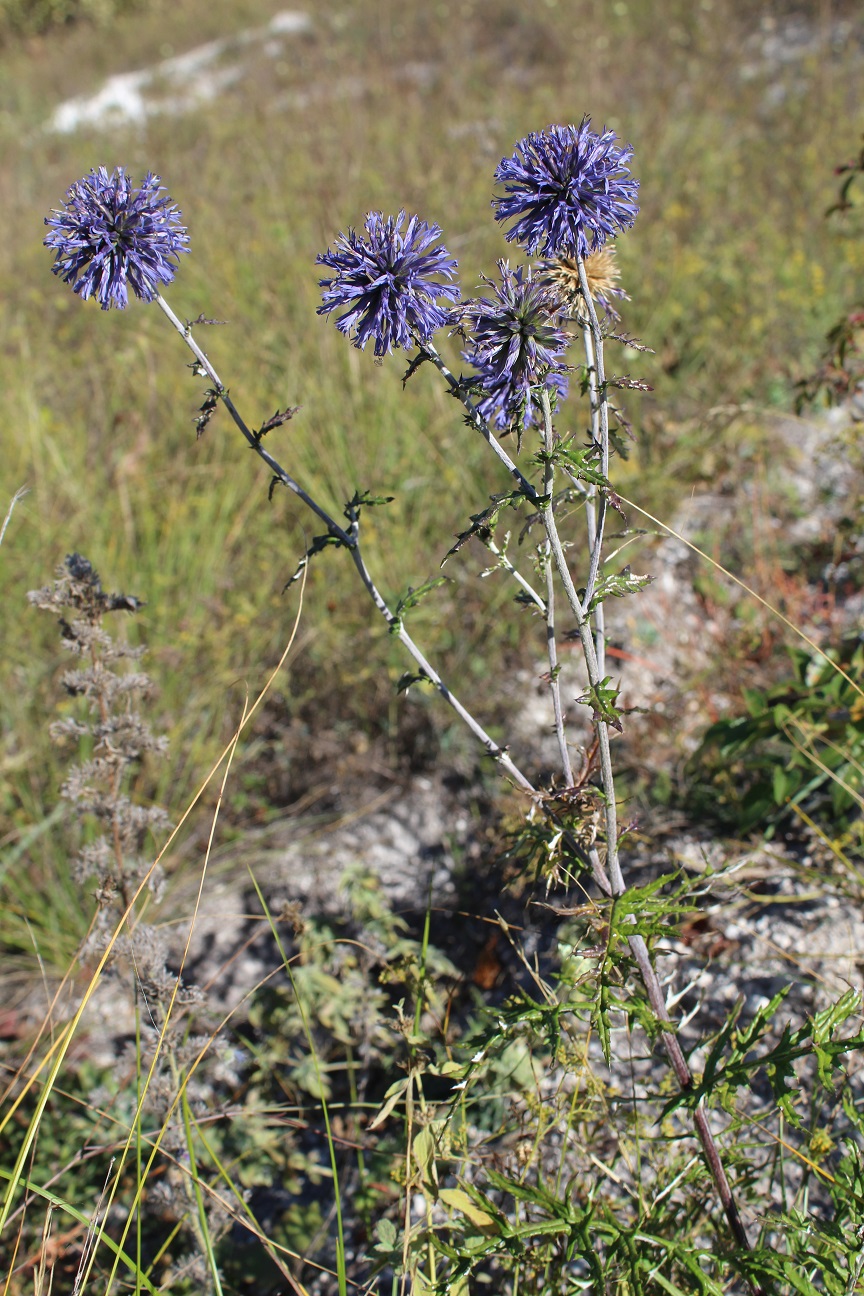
[
  {"x": 516, "y": 347},
  {"x": 569, "y": 190},
  {"x": 110, "y": 237},
  {"x": 385, "y": 283}
]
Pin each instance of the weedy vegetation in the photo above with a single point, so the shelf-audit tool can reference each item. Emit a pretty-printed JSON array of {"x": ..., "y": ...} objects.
[{"x": 557, "y": 1077}]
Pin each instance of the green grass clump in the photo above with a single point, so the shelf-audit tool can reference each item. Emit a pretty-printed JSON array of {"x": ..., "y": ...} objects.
[
  {"x": 35, "y": 17},
  {"x": 800, "y": 747}
]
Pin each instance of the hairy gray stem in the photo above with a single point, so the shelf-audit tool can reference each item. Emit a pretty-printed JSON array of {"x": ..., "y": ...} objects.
[
  {"x": 551, "y": 645},
  {"x": 599, "y": 401},
  {"x": 504, "y": 561},
  {"x": 684, "y": 1076},
  {"x": 583, "y": 624},
  {"x": 579, "y": 608},
  {"x": 595, "y": 522}
]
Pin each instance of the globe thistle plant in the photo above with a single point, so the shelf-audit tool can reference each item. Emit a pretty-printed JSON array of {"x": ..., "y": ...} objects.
[
  {"x": 109, "y": 237},
  {"x": 516, "y": 346},
  {"x": 569, "y": 190},
  {"x": 385, "y": 283}
]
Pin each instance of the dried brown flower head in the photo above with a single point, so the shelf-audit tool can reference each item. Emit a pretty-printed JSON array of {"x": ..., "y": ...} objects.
[{"x": 603, "y": 276}]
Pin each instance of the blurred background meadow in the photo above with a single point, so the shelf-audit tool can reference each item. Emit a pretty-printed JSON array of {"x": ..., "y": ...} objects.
[{"x": 738, "y": 115}]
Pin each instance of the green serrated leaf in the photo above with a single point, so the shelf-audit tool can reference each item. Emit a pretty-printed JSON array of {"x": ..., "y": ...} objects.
[
  {"x": 412, "y": 598},
  {"x": 602, "y": 699},
  {"x": 826, "y": 1021},
  {"x": 318, "y": 545},
  {"x": 483, "y": 524},
  {"x": 409, "y": 679},
  {"x": 578, "y": 460},
  {"x": 618, "y": 587},
  {"x": 364, "y": 499},
  {"x": 532, "y": 1194}
]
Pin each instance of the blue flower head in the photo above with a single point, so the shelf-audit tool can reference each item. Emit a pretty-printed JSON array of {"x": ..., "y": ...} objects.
[
  {"x": 109, "y": 237},
  {"x": 385, "y": 283},
  {"x": 516, "y": 346},
  {"x": 569, "y": 190}
]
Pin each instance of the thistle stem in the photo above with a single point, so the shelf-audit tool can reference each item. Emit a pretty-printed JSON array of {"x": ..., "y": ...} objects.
[
  {"x": 350, "y": 540},
  {"x": 504, "y": 561},
  {"x": 600, "y": 425},
  {"x": 477, "y": 421},
  {"x": 595, "y": 523},
  {"x": 551, "y": 645},
  {"x": 638, "y": 947},
  {"x": 185, "y": 331}
]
